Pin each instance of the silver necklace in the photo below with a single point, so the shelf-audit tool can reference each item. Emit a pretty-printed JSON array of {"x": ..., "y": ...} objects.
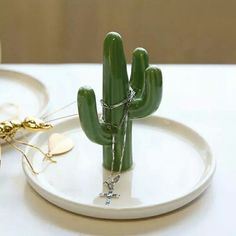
[{"x": 113, "y": 179}]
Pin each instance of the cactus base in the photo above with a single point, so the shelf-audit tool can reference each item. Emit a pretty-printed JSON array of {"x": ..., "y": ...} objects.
[
  {"x": 127, "y": 161},
  {"x": 126, "y": 166}
]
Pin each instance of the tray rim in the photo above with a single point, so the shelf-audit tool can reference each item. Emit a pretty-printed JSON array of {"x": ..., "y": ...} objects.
[
  {"x": 195, "y": 192},
  {"x": 31, "y": 78}
]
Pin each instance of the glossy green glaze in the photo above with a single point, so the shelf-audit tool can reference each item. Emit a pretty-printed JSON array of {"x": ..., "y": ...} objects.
[{"x": 146, "y": 81}]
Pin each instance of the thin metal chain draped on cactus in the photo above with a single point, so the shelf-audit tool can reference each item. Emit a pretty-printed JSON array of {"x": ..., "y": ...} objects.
[{"x": 145, "y": 81}]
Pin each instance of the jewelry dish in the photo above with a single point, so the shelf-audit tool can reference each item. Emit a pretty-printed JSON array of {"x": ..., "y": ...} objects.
[
  {"x": 173, "y": 165},
  {"x": 22, "y": 95}
]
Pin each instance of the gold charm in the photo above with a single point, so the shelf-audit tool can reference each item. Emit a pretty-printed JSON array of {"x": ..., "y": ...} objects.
[
  {"x": 59, "y": 144},
  {"x": 9, "y": 129}
]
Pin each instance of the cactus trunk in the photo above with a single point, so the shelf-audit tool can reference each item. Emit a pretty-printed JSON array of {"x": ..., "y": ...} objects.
[
  {"x": 115, "y": 90},
  {"x": 127, "y": 158}
]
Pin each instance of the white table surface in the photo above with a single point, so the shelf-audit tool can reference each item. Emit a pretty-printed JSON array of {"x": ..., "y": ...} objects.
[{"x": 200, "y": 96}]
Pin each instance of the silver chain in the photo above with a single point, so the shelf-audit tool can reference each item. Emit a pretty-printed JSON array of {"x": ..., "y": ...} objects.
[{"x": 113, "y": 180}]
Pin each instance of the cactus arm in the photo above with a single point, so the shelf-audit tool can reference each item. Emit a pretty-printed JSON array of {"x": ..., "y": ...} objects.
[
  {"x": 151, "y": 97},
  {"x": 139, "y": 65},
  {"x": 87, "y": 108}
]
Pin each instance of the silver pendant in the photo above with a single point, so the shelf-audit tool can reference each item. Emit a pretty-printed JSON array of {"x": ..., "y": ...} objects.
[{"x": 109, "y": 195}]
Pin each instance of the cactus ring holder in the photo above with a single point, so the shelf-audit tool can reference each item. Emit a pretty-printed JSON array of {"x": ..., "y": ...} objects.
[
  {"x": 169, "y": 166},
  {"x": 123, "y": 100}
]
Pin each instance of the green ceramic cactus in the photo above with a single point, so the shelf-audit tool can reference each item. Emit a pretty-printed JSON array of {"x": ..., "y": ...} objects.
[{"x": 145, "y": 81}]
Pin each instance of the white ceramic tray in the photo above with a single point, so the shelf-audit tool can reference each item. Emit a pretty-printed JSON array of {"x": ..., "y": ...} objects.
[
  {"x": 28, "y": 95},
  {"x": 172, "y": 166}
]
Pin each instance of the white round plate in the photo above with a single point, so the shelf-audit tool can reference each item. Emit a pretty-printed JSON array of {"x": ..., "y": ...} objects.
[
  {"x": 172, "y": 166},
  {"x": 28, "y": 95}
]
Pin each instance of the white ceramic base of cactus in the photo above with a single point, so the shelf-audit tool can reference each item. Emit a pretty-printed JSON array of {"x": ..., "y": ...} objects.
[{"x": 172, "y": 166}]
